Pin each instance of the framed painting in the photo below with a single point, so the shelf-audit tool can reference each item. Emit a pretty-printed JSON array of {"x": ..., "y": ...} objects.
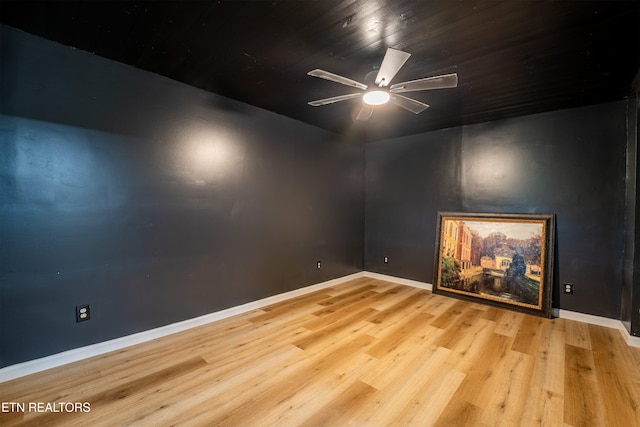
[{"x": 500, "y": 259}]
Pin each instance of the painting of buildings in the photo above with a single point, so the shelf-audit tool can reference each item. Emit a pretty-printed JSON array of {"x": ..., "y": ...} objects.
[{"x": 493, "y": 259}]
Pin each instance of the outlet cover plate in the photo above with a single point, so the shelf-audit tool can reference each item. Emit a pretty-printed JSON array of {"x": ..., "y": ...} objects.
[{"x": 83, "y": 313}]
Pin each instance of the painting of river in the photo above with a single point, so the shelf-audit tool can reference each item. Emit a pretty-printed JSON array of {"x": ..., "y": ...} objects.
[
  {"x": 498, "y": 258},
  {"x": 495, "y": 283}
]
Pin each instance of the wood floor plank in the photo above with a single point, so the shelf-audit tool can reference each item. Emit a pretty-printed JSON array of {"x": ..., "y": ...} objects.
[
  {"x": 413, "y": 300},
  {"x": 428, "y": 403},
  {"x": 337, "y": 411},
  {"x": 362, "y": 353},
  {"x": 337, "y": 314},
  {"x": 214, "y": 393},
  {"x": 341, "y": 302},
  {"x": 284, "y": 391},
  {"x": 616, "y": 375},
  {"x": 484, "y": 370},
  {"x": 281, "y": 310},
  {"x": 346, "y": 324},
  {"x": 548, "y": 373},
  {"x": 450, "y": 316},
  {"x": 416, "y": 348},
  {"x": 528, "y": 335},
  {"x": 493, "y": 313},
  {"x": 389, "y": 404},
  {"x": 438, "y": 304},
  {"x": 577, "y": 334},
  {"x": 360, "y": 282},
  {"x": 459, "y": 413},
  {"x": 327, "y": 393},
  {"x": 235, "y": 357},
  {"x": 582, "y": 397},
  {"x": 471, "y": 346},
  {"x": 509, "y": 323},
  {"x": 462, "y": 323},
  {"x": 396, "y": 336},
  {"x": 102, "y": 400},
  {"x": 343, "y": 299},
  {"x": 391, "y": 319},
  {"x": 502, "y": 398},
  {"x": 392, "y": 296},
  {"x": 542, "y": 407}
]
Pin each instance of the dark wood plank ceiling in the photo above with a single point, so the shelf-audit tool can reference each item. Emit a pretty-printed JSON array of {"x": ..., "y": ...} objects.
[{"x": 512, "y": 57}]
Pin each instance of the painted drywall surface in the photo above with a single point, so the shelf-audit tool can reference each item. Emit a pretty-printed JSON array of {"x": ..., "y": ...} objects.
[
  {"x": 630, "y": 231},
  {"x": 635, "y": 298},
  {"x": 407, "y": 181},
  {"x": 569, "y": 162},
  {"x": 154, "y": 202}
]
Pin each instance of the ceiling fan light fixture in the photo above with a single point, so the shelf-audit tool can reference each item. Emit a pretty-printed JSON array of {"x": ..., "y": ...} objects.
[
  {"x": 382, "y": 93},
  {"x": 376, "y": 97}
]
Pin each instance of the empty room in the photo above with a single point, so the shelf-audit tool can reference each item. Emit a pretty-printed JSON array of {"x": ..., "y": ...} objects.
[{"x": 305, "y": 213}]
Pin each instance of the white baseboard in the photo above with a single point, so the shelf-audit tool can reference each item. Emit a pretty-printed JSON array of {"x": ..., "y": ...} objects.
[
  {"x": 586, "y": 318},
  {"x": 563, "y": 314},
  {"x": 76, "y": 354},
  {"x": 59, "y": 359},
  {"x": 399, "y": 280},
  {"x": 600, "y": 321},
  {"x": 630, "y": 339}
]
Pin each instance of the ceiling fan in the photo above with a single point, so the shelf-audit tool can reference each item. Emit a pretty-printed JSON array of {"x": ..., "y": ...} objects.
[{"x": 393, "y": 60}]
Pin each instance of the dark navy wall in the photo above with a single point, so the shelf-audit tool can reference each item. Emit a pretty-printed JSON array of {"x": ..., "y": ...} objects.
[
  {"x": 153, "y": 201},
  {"x": 633, "y": 225},
  {"x": 635, "y": 289},
  {"x": 571, "y": 163},
  {"x": 407, "y": 180},
  {"x": 629, "y": 267}
]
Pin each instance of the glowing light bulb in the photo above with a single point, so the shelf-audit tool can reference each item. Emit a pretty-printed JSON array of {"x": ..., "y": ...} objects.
[{"x": 376, "y": 97}]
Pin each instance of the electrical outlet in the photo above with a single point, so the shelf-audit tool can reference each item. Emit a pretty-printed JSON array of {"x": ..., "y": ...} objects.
[
  {"x": 568, "y": 288},
  {"x": 318, "y": 265},
  {"x": 386, "y": 260},
  {"x": 83, "y": 313}
]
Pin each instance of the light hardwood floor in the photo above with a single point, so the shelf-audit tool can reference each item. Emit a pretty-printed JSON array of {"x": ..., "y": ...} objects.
[{"x": 363, "y": 353}]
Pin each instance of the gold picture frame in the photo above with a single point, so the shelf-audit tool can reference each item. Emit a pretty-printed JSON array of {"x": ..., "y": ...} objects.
[{"x": 504, "y": 260}]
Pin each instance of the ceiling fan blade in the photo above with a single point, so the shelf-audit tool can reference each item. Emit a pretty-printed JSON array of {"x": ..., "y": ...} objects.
[
  {"x": 365, "y": 113},
  {"x": 393, "y": 60},
  {"x": 333, "y": 99},
  {"x": 408, "y": 103},
  {"x": 437, "y": 82},
  {"x": 336, "y": 78}
]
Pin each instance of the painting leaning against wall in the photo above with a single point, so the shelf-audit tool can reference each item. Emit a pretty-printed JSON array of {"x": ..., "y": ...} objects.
[{"x": 500, "y": 259}]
